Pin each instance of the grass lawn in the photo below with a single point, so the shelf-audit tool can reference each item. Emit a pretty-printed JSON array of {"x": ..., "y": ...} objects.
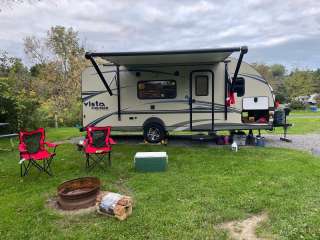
[
  {"x": 300, "y": 125},
  {"x": 305, "y": 112},
  {"x": 62, "y": 133},
  {"x": 202, "y": 188},
  {"x": 52, "y": 134}
]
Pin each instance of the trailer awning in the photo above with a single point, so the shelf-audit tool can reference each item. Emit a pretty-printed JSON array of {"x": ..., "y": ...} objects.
[{"x": 167, "y": 57}]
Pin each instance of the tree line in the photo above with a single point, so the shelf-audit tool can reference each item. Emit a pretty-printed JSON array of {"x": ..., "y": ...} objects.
[
  {"x": 48, "y": 92},
  {"x": 288, "y": 85}
]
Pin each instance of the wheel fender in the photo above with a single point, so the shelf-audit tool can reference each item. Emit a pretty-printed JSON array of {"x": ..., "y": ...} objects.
[{"x": 154, "y": 120}]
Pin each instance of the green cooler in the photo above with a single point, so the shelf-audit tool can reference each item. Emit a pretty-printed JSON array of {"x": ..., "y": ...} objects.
[{"x": 151, "y": 161}]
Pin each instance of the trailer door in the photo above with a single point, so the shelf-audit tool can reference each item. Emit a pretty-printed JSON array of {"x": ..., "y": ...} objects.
[{"x": 201, "y": 100}]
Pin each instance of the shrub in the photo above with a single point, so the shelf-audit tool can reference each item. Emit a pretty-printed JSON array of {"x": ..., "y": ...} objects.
[{"x": 297, "y": 105}]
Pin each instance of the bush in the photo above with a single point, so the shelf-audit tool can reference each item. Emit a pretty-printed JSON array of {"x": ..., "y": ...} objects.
[
  {"x": 21, "y": 110},
  {"x": 27, "y": 104},
  {"x": 67, "y": 117},
  {"x": 72, "y": 115},
  {"x": 8, "y": 106},
  {"x": 297, "y": 105}
]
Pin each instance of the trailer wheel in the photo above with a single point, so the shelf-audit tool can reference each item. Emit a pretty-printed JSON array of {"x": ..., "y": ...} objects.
[{"x": 153, "y": 133}]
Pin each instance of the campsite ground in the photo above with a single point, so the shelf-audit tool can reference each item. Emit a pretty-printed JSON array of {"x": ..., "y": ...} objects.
[
  {"x": 303, "y": 122},
  {"x": 203, "y": 188}
]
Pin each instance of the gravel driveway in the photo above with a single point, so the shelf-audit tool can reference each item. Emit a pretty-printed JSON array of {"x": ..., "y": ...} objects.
[{"x": 306, "y": 142}]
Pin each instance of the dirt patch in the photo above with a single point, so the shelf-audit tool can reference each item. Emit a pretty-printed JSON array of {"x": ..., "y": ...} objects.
[
  {"x": 245, "y": 229},
  {"x": 52, "y": 204},
  {"x": 121, "y": 187}
]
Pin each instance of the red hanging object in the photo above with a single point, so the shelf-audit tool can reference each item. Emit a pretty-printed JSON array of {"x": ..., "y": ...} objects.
[{"x": 230, "y": 99}]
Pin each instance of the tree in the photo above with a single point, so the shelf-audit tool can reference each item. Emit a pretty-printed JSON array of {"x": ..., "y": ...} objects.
[
  {"x": 275, "y": 75},
  {"x": 300, "y": 83},
  {"x": 316, "y": 80},
  {"x": 18, "y": 102},
  {"x": 19, "y": 76},
  {"x": 36, "y": 50},
  {"x": 36, "y": 69},
  {"x": 5, "y": 63},
  {"x": 60, "y": 61},
  {"x": 277, "y": 70}
]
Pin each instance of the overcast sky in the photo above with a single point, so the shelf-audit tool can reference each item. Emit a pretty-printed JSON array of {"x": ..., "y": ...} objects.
[{"x": 286, "y": 32}]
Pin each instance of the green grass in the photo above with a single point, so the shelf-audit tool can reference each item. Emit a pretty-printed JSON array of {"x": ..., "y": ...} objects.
[
  {"x": 304, "y": 112},
  {"x": 300, "y": 126},
  {"x": 202, "y": 188},
  {"x": 52, "y": 134},
  {"x": 61, "y": 134},
  {"x": 303, "y": 121}
]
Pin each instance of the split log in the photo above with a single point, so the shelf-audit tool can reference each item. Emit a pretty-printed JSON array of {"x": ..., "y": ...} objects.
[{"x": 115, "y": 205}]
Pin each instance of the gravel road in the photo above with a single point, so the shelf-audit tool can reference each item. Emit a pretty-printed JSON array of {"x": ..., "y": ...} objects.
[{"x": 306, "y": 142}]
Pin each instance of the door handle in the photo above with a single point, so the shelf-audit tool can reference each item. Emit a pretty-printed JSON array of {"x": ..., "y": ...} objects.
[{"x": 193, "y": 100}]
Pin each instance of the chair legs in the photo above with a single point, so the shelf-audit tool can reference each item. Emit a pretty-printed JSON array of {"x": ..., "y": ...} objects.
[
  {"x": 99, "y": 158},
  {"x": 45, "y": 167}
]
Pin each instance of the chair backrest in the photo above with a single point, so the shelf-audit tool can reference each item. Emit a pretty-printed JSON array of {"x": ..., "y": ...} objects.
[
  {"x": 33, "y": 140},
  {"x": 98, "y": 136}
]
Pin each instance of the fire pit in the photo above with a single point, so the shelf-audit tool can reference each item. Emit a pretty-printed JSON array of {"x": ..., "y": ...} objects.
[{"x": 78, "y": 193}]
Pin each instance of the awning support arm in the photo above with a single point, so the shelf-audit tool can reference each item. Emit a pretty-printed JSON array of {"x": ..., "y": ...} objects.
[
  {"x": 118, "y": 95},
  {"x": 226, "y": 85},
  {"x": 96, "y": 67},
  {"x": 243, "y": 51}
]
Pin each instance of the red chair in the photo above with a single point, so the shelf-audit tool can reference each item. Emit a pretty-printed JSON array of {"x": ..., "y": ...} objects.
[
  {"x": 97, "y": 145},
  {"x": 33, "y": 151}
]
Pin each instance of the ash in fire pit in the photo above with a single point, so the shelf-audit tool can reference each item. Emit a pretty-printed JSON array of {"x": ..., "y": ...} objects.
[{"x": 78, "y": 193}]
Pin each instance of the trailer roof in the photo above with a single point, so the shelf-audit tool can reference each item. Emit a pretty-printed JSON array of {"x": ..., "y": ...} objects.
[{"x": 167, "y": 57}]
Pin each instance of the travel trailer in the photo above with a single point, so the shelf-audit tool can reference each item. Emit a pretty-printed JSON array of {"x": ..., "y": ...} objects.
[{"x": 160, "y": 91}]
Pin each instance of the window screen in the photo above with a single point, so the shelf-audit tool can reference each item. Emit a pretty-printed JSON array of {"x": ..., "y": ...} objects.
[
  {"x": 157, "y": 89},
  {"x": 202, "y": 85}
]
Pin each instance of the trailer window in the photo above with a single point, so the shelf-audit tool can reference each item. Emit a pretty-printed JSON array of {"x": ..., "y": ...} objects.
[
  {"x": 202, "y": 85},
  {"x": 157, "y": 89}
]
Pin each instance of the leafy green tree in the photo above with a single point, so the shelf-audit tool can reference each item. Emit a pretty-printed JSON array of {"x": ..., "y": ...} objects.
[
  {"x": 36, "y": 69},
  {"x": 275, "y": 75},
  {"x": 58, "y": 76},
  {"x": 300, "y": 83},
  {"x": 17, "y": 107},
  {"x": 278, "y": 70},
  {"x": 316, "y": 80},
  {"x": 7, "y": 107},
  {"x": 5, "y": 63}
]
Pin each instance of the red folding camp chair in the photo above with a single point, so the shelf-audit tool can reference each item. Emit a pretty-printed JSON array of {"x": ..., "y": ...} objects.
[
  {"x": 33, "y": 151},
  {"x": 97, "y": 145}
]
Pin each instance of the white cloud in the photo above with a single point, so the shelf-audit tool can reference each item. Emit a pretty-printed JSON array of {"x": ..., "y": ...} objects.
[{"x": 123, "y": 25}]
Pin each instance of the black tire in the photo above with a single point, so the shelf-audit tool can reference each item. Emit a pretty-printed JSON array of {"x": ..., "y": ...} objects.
[{"x": 153, "y": 132}]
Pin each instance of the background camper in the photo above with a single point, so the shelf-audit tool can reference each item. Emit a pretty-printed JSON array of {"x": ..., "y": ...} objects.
[{"x": 160, "y": 91}]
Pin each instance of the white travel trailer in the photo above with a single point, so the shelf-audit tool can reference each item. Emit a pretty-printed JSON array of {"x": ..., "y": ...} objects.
[{"x": 160, "y": 91}]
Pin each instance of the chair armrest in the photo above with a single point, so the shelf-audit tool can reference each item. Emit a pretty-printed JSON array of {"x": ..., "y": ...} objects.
[
  {"x": 111, "y": 141},
  {"x": 51, "y": 144},
  {"x": 22, "y": 147}
]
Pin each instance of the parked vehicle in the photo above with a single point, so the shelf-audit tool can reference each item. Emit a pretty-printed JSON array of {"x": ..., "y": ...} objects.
[
  {"x": 308, "y": 99},
  {"x": 160, "y": 91},
  {"x": 313, "y": 99}
]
